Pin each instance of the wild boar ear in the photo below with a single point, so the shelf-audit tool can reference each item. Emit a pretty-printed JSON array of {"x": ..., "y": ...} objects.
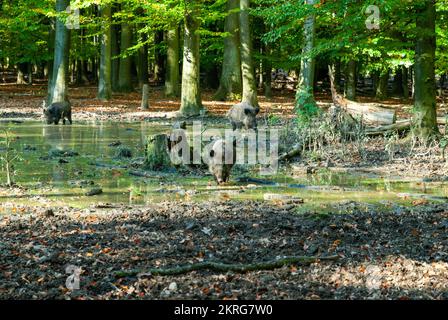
[{"x": 212, "y": 153}]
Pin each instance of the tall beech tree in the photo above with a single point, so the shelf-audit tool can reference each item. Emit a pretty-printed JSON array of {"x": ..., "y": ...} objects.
[
  {"x": 425, "y": 116},
  {"x": 58, "y": 84},
  {"x": 230, "y": 84},
  {"x": 125, "y": 75},
  {"x": 191, "y": 103},
  {"x": 247, "y": 64},
  {"x": 305, "y": 90},
  {"x": 105, "y": 79},
  {"x": 172, "y": 62}
]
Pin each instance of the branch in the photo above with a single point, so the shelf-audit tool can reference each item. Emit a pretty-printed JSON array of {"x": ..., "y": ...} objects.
[{"x": 223, "y": 267}]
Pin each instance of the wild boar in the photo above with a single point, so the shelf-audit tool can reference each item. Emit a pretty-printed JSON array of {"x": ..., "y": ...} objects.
[
  {"x": 243, "y": 115},
  {"x": 221, "y": 159},
  {"x": 57, "y": 111}
]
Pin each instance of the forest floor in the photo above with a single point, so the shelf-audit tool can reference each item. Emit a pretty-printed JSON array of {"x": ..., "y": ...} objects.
[
  {"x": 384, "y": 251},
  {"x": 379, "y": 156},
  {"x": 25, "y": 101}
]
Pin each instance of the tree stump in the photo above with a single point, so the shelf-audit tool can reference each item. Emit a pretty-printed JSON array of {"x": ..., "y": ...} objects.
[
  {"x": 156, "y": 153},
  {"x": 145, "y": 97}
]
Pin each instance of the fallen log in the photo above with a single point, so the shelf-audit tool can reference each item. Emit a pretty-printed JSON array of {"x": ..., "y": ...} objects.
[
  {"x": 399, "y": 126},
  {"x": 370, "y": 113},
  {"x": 223, "y": 267}
]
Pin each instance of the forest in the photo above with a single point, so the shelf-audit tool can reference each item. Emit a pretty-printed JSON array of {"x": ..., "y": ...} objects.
[{"x": 223, "y": 149}]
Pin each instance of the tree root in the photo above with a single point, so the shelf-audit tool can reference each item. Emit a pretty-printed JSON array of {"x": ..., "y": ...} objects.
[{"x": 223, "y": 267}]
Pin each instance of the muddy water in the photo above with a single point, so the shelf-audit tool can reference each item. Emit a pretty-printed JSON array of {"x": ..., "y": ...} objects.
[{"x": 48, "y": 181}]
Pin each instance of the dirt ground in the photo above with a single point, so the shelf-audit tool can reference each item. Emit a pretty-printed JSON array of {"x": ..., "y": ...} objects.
[{"x": 385, "y": 252}]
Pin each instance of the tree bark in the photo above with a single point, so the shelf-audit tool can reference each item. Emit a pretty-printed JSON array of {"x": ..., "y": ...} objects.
[
  {"x": 267, "y": 73},
  {"x": 230, "y": 84},
  {"x": 172, "y": 72},
  {"x": 157, "y": 156},
  {"x": 115, "y": 64},
  {"x": 351, "y": 80},
  {"x": 125, "y": 78},
  {"x": 142, "y": 62},
  {"x": 145, "y": 97},
  {"x": 159, "y": 66},
  {"x": 305, "y": 88},
  {"x": 425, "y": 116},
  {"x": 105, "y": 83},
  {"x": 59, "y": 85},
  {"x": 405, "y": 82},
  {"x": 381, "y": 88},
  {"x": 191, "y": 103},
  {"x": 247, "y": 65}
]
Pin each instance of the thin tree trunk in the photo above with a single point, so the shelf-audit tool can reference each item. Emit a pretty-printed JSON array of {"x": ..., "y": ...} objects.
[
  {"x": 405, "y": 82},
  {"x": 105, "y": 83},
  {"x": 21, "y": 70},
  {"x": 58, "y": 84},
  {"x": 159, "y": 66},
  {"x": 142, "y": 63},
  {"x": 351, "y": 80},
  {"x": 125, "y": 78},
  {"x": 247, "y": 65},
  {"x": 381, "y": 88},
  {"x": 172, "y": 70},
  {"x": 115, "y": 72},
  {"x": 191, "y": 103},
  {"x": 425, "y": 116},
  {"x": 230, "y": 84},
  {"x": 267, "y": 73}
]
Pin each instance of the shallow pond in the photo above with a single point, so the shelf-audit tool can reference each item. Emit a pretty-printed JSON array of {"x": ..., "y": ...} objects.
[{"x": 50, "y": 181}]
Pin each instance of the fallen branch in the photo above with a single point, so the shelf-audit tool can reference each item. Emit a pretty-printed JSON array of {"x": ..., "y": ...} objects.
[
  {"x": 399, "y": 126},
  {"x": 223, "y": 267}
]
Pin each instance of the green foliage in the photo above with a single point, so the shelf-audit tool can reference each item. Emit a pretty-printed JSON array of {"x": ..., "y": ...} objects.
[
  {"x": 306, "y": 107},
  {"x": 8, "y": 156}
]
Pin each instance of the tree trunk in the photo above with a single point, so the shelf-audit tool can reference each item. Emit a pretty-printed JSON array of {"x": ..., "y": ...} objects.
[
  {"x": 247, "y": 65},
  {"x": 172, "y": 72},
  {"x": 405, "y": 82},
  {"x": 21, "y": 71},
  {"x": 159, "y": 66},
  {"x": 230, "y": 84},
  {"x": 58, "y": 84},
  {"x": 156, "y": 153},
  {"x": 425, "y": 116},
  {"x": 145, "y": 97},
  {"x": 191, "y": 103},
  {"x": 381, "y": 88},
  {"x": 115, "y": 64},
  {"x": 105, "y": 83},
  {"x": 267, "y": 73},
  {"x": 142, "y": 63},
  {"x": 125, "y": 78},
  {"x": 398, "y": 83},
  {"x": 351, "y": 80},
  {"x": 305, "y": 88}
]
